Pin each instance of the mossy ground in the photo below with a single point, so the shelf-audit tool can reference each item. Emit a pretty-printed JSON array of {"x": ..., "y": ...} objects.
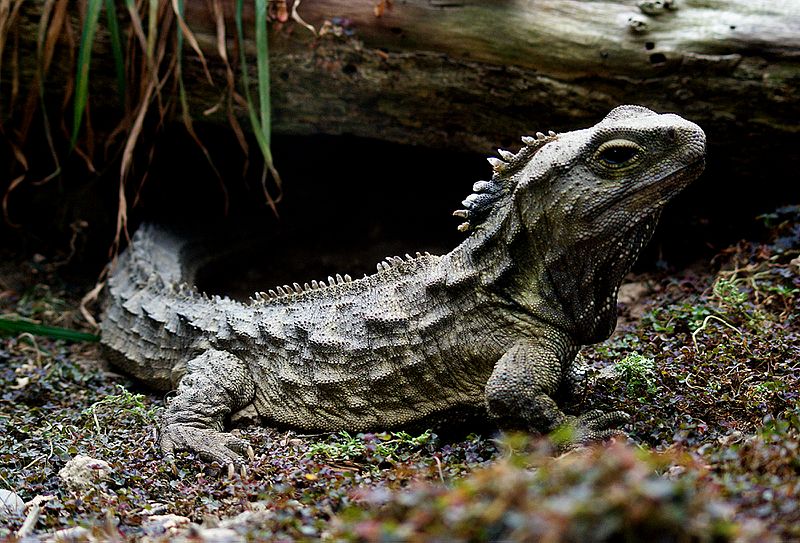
[{"x": 707, "y": 361}]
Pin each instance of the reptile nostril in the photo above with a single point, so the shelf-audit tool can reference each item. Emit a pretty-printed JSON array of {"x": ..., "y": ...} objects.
[{"x": 672, "y": 134}]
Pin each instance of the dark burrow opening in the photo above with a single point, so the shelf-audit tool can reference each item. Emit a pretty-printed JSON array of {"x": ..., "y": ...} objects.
[{"x": 350, "y": 202}]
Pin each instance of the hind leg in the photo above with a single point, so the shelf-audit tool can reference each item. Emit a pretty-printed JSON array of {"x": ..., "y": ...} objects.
[{"x": 216, "y": 384}]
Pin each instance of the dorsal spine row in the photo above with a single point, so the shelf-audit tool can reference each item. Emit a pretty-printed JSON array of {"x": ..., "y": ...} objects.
[
  {"x": 296, "y": 288},
  {"x": 486, "y": 193}
]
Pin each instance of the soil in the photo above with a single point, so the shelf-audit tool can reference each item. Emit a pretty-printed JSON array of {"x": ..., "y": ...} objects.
[{"x": 705, "y": 358}]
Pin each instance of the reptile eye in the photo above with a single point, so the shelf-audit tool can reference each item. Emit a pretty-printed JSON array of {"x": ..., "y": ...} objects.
[{"x": 617, "y": 153}]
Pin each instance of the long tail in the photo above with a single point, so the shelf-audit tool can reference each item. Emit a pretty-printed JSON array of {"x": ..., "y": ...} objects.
[{"x": 141, "y": 320}]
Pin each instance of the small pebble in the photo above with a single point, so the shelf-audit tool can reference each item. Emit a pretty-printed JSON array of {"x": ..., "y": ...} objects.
[
  {"x": 84, "y": 471},
  {"x": 10, "y": 504}
]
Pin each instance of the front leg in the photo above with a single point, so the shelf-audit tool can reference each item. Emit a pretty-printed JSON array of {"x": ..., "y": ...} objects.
[
  {"x": 520, "y": 391},
  {"x": 216, "y": 383},
  {"x": 576, "y": 378}
]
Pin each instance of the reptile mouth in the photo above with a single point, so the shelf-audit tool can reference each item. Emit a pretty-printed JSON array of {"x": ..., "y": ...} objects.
[
  {"x": 663, "y": 188},
  {"x": 698, "y": 164},
  {"x": 690, "y": 171},
  {"x": 669, "y": 186}
]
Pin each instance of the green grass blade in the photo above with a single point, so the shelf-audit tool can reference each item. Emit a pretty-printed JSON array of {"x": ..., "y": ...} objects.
[
  {"x": 12, "y": 326},
  {"x": 116, "y": 48},
  {"x": 262, "y": 64},
  {"x": 255, "y": 123},
  {"x": 82, "y": 74}
]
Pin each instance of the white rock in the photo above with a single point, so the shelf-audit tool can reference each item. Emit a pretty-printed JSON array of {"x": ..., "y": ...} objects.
[
  {"x": 10, "y": 504},
  {"x": 84, "y": 471}
]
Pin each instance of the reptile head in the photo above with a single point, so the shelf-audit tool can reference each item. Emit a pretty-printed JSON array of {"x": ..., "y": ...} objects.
[
  {"x": 570, "y": 212},
  {"x": 590, "y": 199},
  {"x": 613, "y": 175}
]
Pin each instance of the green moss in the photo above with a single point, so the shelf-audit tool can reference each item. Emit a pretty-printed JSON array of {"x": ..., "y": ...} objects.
[
  {"x": 378, "y": 447},
  {"x": 638, "y": 372}
]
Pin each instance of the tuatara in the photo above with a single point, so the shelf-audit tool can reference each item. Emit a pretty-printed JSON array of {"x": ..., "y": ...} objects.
[{"x": 495, "y": 325}]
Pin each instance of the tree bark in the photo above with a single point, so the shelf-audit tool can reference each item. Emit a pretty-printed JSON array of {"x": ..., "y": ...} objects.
[{"x": 477, "y": 74}]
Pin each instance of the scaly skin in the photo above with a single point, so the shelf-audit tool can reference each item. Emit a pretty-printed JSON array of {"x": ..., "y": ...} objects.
[{"x": 494, "y": 325}]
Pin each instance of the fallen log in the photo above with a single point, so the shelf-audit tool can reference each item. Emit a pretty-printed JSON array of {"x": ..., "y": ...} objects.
[{"x": 476, "y": 74}]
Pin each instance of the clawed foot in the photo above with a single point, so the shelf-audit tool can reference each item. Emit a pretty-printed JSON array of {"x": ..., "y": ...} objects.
[
  {"x": 593, "y": 426},
  {"x": 211, "y": 445}
]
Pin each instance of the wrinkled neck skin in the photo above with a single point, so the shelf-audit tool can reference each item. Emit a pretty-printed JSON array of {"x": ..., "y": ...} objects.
[
  {"x": 555, "y": 269},
  {"x": 562, "y": 222}
]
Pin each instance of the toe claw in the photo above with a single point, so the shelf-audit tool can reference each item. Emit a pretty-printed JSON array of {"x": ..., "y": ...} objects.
[
  {"x": 250, "y": 453},
  {"x": 231, "y": 471},
  {"x": 593, "y": 426},
  {"x": 211, "y": 445}
]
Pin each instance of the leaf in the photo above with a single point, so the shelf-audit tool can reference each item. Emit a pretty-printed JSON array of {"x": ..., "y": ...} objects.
[
  {"x": 177, "y": 7},
  {"x": 116, "y": 48},
  {"x": 230, "y": 78},
  {"x": 259, "y": 120},
  {"x": 82, "y": 72},
  {"x": 14, "y": 326},
  {"x": 136, "y": 22},
  {"x": 152, "y": 29}
]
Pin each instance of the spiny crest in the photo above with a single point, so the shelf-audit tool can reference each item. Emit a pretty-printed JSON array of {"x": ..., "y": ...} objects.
[
  {"x": 295, "y": 288},
  {"x": 485, "y": 193},
  {"x": 392, "y": 261}
]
